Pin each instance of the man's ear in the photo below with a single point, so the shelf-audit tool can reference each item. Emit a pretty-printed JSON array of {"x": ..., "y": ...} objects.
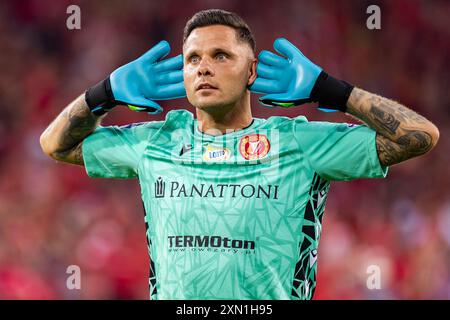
[{"x": 252, "y": 73}]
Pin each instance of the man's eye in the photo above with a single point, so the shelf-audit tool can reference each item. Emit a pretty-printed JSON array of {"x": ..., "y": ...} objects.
[
  {"x": 194, "y": 59},
  {"x": 221, "y": 56}
]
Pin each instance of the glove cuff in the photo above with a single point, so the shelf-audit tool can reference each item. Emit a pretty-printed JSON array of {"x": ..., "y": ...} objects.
[
  {"x": 100, "y": 98},
  {"x": 331, "y": 93}
]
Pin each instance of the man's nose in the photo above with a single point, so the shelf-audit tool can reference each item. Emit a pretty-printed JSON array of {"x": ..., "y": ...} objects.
[{"x": 205, "y": 68}]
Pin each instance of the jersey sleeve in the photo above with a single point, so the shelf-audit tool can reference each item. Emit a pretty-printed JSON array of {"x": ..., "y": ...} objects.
[
  {"x": 115, "y": 151},
  {"x": 339, "y": 151}
]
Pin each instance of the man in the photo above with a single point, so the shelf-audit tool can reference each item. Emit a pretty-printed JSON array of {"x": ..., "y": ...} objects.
[{"x": 234, "y": 204}]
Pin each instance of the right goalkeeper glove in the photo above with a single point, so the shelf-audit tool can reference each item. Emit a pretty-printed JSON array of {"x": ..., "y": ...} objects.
[{"x": 140, "y": 82}]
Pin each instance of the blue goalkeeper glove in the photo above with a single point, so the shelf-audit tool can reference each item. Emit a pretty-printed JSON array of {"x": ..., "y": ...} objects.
[
  {"x": 139, "y": 83},
  {"x": 292, "y": 80}
]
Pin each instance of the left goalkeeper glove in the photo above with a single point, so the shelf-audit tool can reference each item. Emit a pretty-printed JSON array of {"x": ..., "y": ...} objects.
[{"x": 293, "y": 80}]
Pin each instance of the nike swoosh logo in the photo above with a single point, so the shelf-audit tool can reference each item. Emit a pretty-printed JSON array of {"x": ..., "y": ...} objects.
[{"x": 185, "y": 148}]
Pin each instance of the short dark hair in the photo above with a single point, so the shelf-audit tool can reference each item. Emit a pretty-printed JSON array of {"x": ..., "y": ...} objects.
[{"x": 218, "y": 16}]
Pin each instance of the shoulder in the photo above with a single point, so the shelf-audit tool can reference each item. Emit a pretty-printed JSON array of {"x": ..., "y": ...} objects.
[
  {"x": 174, "y": 118},
  {"x": 283, "y": 124},
  {"x": 179, "y": 118},
  {"x": 326, "y": 126},
  {"x": 281, "y": 121}
]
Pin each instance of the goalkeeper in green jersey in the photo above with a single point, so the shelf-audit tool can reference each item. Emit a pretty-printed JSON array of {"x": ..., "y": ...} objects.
[{"x": 234, "y": 204}]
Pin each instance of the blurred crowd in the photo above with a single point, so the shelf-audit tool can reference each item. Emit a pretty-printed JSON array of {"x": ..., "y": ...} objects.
[{"x": 53, "y": 216}]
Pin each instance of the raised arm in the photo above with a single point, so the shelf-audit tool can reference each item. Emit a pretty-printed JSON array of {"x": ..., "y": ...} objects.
[
  {"x": 63, "y": 138},
  {"x": 401, "y": 133},
  {"x": 292, "y": 79},
  {"x": 136, "y": 84}
]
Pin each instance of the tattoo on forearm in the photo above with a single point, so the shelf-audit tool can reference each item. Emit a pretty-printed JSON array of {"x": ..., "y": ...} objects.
[
  {"x": 409, "y": 114},
  {"x": 384, "y": 119},
  {"x": 79, "y": 124},
  {"x": 65, "y": 134},
  {"x": 401, "y": 132}
]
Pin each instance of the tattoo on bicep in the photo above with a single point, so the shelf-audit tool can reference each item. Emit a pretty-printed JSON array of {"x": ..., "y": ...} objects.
[
  {"x": 410, "y": 145},
  {"x": 78, "y": 155},
  {"x": 74, "y": 155},
  {"x": 389, "y": 152},
  {"x": 418, "y": 142}
]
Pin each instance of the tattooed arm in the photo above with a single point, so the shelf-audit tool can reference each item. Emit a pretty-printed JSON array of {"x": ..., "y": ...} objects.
[
  {"x": 401, "y": 133},
  {"x": 63, "y": 138}
]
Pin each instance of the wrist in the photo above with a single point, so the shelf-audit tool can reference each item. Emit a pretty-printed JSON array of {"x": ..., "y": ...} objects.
[
  {"x": 100, "y": 98},
  {"x": 331, "y": 93}
]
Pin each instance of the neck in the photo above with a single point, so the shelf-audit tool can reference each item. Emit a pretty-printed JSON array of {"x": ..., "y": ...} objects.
[{"x": 225, "y": 119}]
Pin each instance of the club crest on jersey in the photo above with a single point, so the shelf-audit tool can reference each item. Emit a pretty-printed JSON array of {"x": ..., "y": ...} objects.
[
  {"x": 216, "y": 154},
  {"x": 254, "y": 146}
]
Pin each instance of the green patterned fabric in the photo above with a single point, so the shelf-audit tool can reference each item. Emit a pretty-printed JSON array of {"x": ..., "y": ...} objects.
[{"x": 233, "y": 216}]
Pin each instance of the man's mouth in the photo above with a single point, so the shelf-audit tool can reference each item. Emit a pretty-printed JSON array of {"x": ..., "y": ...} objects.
[{"x": 203, "y": 86}]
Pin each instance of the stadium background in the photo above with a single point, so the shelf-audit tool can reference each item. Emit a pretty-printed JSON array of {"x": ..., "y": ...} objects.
[{"x": 52, "y": 215}]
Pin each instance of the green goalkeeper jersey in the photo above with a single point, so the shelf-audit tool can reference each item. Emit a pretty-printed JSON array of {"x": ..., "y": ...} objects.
[{"x": 238, "y": 215}]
